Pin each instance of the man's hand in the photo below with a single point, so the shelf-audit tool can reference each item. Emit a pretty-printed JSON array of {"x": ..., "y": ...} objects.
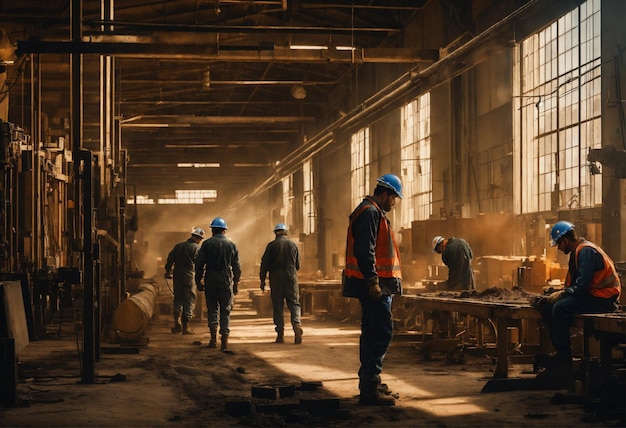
[
  {"x": 537, "y": 301},
  {"x": 374, "y": 289},
  {"x": 235, "y": 288},
  {"x": 200, "y": 286},
  {"x": 262, "y": 286},
  {"x": 168, "y": 275},
  {"x": 556, "y": 296}
]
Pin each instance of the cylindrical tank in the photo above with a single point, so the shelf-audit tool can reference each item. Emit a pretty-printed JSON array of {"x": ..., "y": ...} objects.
[{"x": 132, "y": 317}]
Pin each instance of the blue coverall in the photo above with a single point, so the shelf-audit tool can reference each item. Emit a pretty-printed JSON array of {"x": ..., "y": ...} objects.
[
  {"x": 218, "y": 262},
  {"x": 182, "y": 259},
  {"x": 282, "y": 260}
]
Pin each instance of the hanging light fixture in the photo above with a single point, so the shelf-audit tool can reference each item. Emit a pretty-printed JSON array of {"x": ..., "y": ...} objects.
[
  {"x": 298, "y": 91},
  {"x": 206, "y": 79}
]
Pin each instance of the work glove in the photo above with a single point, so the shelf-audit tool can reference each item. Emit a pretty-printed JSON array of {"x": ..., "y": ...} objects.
[
  {"x": 168, "y": 275},
  {"x": 374, "y": 289},
  {"x": 262, "y": 286},
  {"x": 200, "y": 286},
  {"x": 537, "y": 301},
  {"x": 556, "y": 296},
  {"x": 235, "y": 288}
]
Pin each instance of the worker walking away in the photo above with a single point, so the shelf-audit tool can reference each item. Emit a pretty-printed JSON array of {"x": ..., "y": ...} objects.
[
  {"x": 180, "y": 267},
  {"x": 282, "y": 260},
  {"x": 218, "y": 266},
  {"x": 591, "y": 286},
  {"x": 373, "y": 275},
  {"x": 457, "y": 255}
]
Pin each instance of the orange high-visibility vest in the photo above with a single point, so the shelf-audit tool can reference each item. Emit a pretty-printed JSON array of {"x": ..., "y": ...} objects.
[
  {"x": 604, "y": 283},
  {"x": 386, "y": 249}
]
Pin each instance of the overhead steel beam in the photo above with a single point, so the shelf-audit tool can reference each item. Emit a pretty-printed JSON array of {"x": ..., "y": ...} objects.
[
  {"x": 223, "y": 155},
  {"x": 222, "y": 134},
  {"x": 225, "y": 82},
  {"x": 261, "y": 53},
  {"x": 165, "y": 121},
  {"x": 365, "y": 4},
  {"x": 139, "y": 144},
  {"x": 237, "y": 29}
]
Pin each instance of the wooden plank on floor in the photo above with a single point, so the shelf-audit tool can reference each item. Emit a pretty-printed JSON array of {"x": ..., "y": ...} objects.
[{"x": 12, "y": 300}]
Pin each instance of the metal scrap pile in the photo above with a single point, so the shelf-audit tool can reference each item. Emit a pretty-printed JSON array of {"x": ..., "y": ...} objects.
[{"x": 493, "y": 294}]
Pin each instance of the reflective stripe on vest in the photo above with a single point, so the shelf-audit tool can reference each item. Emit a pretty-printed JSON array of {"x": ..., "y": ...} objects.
[
  {"x": 604, "y": 283},
  {"x": 386, "y": 250}
]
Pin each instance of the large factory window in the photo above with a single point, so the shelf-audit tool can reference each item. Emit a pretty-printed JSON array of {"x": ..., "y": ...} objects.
[
  {"x": 287, "y": 209},
  {"x": 182, "y": 197},
  {"x": 559, "y": 81},
  {"x": 360, "y": 165},
  {"x": 416, "y": 161},
  {"x": 309, "y": 213},
  {"x": 141, "y": 200}
]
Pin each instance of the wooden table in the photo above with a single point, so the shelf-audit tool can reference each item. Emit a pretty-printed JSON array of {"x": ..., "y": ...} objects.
[
  {"x": 503, "y": 315},
  {"x": 314, "y": 295},
  {"x": 610, "y": 330}
]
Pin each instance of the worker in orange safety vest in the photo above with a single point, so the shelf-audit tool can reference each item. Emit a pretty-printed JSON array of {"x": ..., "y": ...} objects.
[
  {"x": 591, "y": 286},
  {"x": 373, "y": 275}
]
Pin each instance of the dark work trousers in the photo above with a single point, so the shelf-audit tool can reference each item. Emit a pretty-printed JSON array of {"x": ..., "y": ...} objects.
[
  {"x": 184, "y": 297},
  {"x": 219, "y": 303},
  {"x": 564, "y": 310},
  {"x": 281, "y": 294},
  {"x": 376, "y": 334}
]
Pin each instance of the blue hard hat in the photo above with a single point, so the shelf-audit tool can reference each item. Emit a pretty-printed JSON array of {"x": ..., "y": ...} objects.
[
  {"x": 391, "y": 182},
  {"x": 559, "y": 229},
  {"x": 218, "y": 223},
  {"x": 280, "y": 226}
]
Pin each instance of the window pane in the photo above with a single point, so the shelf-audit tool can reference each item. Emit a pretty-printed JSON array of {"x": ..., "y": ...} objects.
[
  {"x": 415, "y": 161},
  {"x": 360, "y": 159},
  {"x": 560, "y": 69}
]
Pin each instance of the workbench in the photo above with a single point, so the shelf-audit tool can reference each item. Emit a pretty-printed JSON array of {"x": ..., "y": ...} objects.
[
  {"x": 502, "y": 315},
  {"x": 316, "y": 295},
  {"x": 610, "y": 330}
]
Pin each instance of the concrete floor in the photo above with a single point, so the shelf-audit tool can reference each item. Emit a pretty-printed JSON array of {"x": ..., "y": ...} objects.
[{"x": 177, "y": 381}]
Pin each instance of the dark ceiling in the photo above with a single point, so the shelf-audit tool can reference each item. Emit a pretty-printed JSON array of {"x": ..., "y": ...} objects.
[{"x": 203, "y": 81}]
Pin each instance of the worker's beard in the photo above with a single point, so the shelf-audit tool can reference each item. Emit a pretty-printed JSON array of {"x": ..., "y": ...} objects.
[{"x": 386, "y": 204}]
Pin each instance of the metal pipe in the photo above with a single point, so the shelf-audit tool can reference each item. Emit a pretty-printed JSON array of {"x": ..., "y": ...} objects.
[{"x": 132, "y": 317}]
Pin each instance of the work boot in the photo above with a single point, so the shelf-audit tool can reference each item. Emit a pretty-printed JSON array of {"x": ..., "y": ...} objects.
[
  {"x": 384, "y": 389},
  {"x": 224, "y": 342},
  {"x": 374, "y": 397},
  {"x": 280, "y": 336},
  {"x": 297, "y": 330},
  {"x": 213, "y": 342},
  {"x": 186, "y": 328},
  {"x": 556, "y": 377},
  {"x": 177, "y": 327}
]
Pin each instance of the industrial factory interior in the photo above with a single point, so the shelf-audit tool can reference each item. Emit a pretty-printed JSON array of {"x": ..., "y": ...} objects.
[{"x": 126, "y": 125}]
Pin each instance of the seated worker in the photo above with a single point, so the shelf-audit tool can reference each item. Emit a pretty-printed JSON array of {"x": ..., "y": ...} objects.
[
  {"x": 591, "y": 286},
  {"x": 457, "y": 255}
]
